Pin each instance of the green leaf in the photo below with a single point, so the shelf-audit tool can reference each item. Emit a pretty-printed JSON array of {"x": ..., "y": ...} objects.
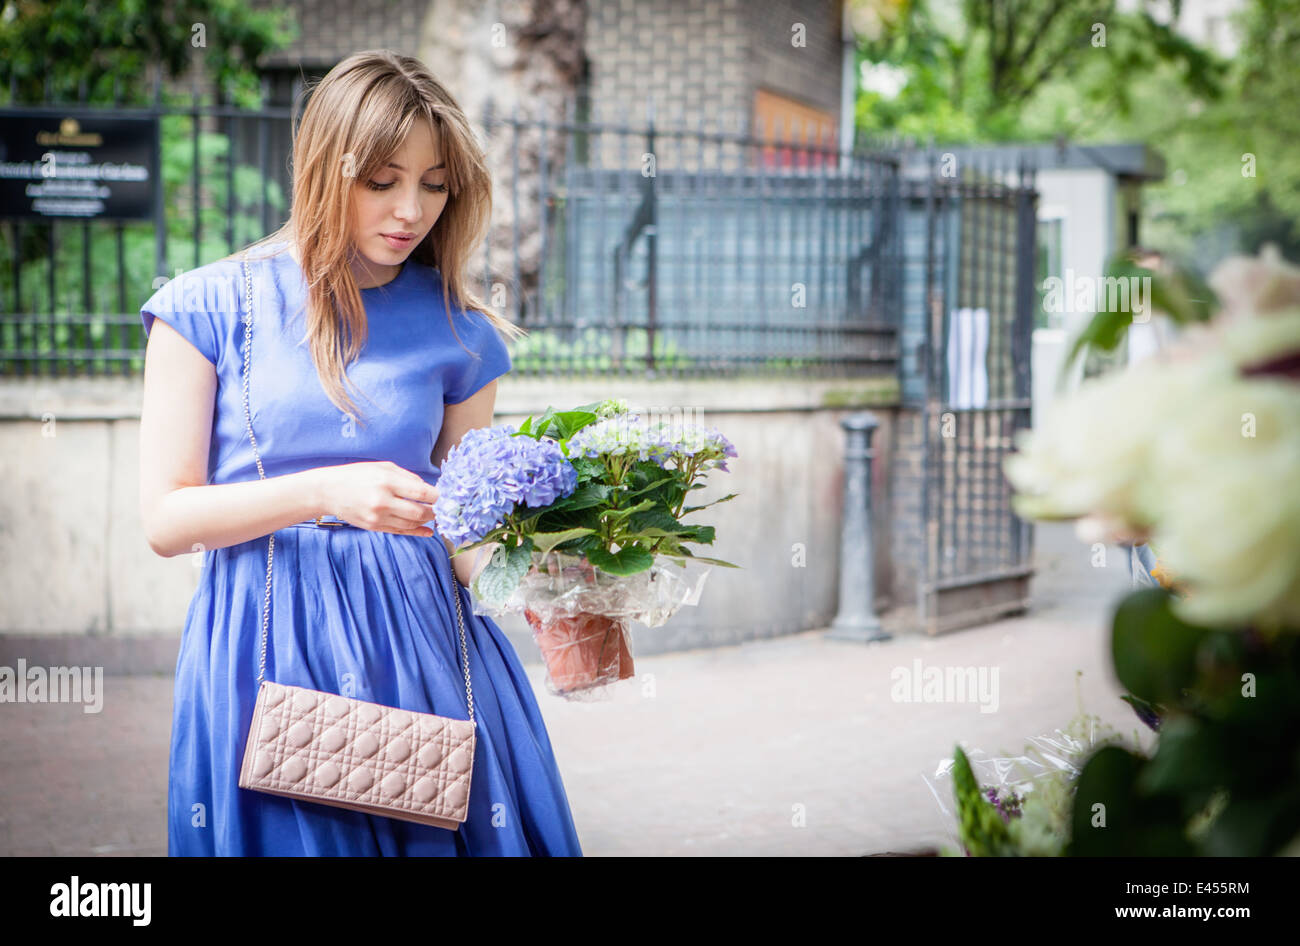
[
  {"x": 587, "y": 468},
  {"x": 1110, "y": 818},
  {"x": 544, "y": 542},
  {"x": 1191, "y": 757},
  {"x": 1254, "y": 826},
  {"x": 703, "y": 535},
  {"x": 568, "y": 423},
  {"x": 501, "y": 576},
  {"x": 1180, "y": 294},
  {"x": 707, "y": 505},
  {"x": 614, "y": 515},
  {"x": 626, "y": 561},
  {"x": 584, "y": 497},
  {"x": 685, "y": 553},
  {"x": 983, "y": 831},
  {"x": 1149, "y": 713},
  {"x": 656, "y": 522},
  {"x": 1154, "y": 652}
]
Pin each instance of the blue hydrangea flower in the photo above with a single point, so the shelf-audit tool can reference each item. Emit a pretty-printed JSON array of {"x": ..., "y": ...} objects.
[
  {"x": 693, "y": 440},
  {"x": 623, "y": 435},
  {"x": 620, "y": 436},
  {"x": 489, "y": 473}
]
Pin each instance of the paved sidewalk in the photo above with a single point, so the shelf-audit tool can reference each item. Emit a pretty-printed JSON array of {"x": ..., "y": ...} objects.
[{"x": 785, "y": 746}]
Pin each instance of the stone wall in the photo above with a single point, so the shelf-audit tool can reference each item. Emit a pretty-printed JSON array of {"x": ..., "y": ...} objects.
[{"x": 75, "y": 566}]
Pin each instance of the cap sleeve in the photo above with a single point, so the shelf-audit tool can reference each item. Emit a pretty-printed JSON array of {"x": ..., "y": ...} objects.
[
  {"x": 196, "y": 326},
  {"x": 470, "y": 374}
]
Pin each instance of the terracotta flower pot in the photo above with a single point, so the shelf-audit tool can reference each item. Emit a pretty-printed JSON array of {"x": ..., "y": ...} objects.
[{"x": 582, "y": 650}]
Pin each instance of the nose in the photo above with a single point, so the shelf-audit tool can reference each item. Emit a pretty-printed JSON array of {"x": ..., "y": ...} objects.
[{"x": 408, "y": 207}]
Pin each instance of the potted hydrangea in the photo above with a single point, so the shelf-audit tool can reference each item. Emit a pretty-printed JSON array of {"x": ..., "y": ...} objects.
[{"x": 585, "y": 509}]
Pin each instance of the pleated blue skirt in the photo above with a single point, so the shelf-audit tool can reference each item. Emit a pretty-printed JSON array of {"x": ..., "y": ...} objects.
[{"x": 369, "y": 615}]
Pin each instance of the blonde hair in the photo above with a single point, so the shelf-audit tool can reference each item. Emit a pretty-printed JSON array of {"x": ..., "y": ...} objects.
[{"x": 357, "y": 117}]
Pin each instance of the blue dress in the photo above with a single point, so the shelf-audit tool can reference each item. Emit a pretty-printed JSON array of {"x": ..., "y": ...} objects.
[{"x": 362, "y": 613}]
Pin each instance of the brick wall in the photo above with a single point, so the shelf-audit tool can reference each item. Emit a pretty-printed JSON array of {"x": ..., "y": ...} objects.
[
  {"x": 331, "y": 30},
  {"x": 702, "y": 63},
  {"x": 809, "y": 73}
]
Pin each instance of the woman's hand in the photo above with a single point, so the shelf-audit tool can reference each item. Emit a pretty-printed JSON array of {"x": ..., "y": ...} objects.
[{"x": 377, "y": 495}]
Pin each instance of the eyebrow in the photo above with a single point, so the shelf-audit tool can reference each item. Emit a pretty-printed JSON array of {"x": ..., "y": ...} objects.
[{"x": 436, "y": 167}]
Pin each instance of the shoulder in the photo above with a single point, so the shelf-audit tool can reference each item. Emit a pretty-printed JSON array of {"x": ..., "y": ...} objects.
[
  {"x": 468, "y": 323},
  {"x": 205, "y": 304},
  {"x": 216, "y": 288}
]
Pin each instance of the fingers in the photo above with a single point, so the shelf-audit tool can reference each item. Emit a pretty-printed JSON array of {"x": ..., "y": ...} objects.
[
  {"x": 409, "y": 506},
  {"x": 411, "y": 512},
  {"x": 422, "y": 532},
  {"x": 413, "y": 486}
]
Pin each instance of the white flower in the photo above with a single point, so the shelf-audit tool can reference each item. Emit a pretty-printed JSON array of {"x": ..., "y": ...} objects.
[
  {"x": 1090, "y": 459},
  {"x": 1256, "y": 341},
  {"x": 1249, "y": 286},
  {"x": 1229, "y": 508}
]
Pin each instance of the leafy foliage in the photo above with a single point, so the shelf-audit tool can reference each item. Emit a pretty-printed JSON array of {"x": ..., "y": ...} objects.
[
  {"x": 623, "y": 512},
  {"x": 1176, "y": 291},
  {"x": 983, "y": 832},
  {"x": 85, "y": 50},
  {"x": 971, "y": 68},
  {"x": 102, "y": 53},
  {"x": 1224, "y": 779},
  {"x": 1027, "y": 70}
]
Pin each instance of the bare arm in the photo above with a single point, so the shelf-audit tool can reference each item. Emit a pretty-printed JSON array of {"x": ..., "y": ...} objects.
[
  {"x": 177, "y": 509},
  {"x": 475, "y": 411}
]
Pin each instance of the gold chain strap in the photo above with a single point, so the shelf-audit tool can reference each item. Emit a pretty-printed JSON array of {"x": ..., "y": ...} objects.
[{"x": 270, "y": 554}]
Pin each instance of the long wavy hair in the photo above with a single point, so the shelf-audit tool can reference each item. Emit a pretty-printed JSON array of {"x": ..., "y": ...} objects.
[{"x": 358, "y": 115}]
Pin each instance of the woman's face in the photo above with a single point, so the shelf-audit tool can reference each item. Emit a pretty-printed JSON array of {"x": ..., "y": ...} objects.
[{"x": 397, "y": 206}]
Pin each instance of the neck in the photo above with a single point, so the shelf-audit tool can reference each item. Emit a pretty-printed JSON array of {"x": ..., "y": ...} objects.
[
  {"x": 366, "y": 274},
  {"x": 369, "y": 276}
]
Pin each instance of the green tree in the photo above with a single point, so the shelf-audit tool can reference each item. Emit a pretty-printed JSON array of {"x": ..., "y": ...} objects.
[
  {"x": 972, "y": 67},
  {"x": 82, "y": 50},
  {"x": 1036, "y": 70},
  {"x": 99, "y": 53}
]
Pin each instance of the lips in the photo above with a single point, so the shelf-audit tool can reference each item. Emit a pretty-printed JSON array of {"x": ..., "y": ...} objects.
[{"x": 399, "y": 241}]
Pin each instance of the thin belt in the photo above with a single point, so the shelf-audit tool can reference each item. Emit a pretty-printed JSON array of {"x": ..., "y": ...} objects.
[{"x": 323, "y": 522}]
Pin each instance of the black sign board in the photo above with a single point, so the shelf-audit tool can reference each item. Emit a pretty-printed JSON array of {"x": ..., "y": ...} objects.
[{"x": 78, "y": 164}]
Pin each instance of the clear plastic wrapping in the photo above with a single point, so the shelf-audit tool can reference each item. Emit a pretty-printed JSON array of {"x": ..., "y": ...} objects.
[
  {"x": 1034, "y": 790},
  {"x": 580, "y": 616}
]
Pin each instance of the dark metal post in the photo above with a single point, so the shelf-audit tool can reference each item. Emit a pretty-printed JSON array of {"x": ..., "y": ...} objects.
[
  {"x": 652, "y": 245},
  {"x": 856, "y": 620}
]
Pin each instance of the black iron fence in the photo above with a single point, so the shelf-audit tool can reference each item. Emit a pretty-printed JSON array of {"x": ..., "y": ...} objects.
[
  {"x": 70, "y": 288},
  {"x": 685, "y": 252},
  {"x": 620, "y": 248},
  {"x": 971, "y": 318}
]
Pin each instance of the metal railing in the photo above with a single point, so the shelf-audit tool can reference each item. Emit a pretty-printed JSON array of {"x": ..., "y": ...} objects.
[
  {"x": 620, "y": 248},
  {"x": 70, "y": 288},
  {"x": 977, "y": 321},
  {"x": 687, "y": 251}
]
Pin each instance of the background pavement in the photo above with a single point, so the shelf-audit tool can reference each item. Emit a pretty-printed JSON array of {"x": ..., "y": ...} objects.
[{"x": 785, "y": 746}]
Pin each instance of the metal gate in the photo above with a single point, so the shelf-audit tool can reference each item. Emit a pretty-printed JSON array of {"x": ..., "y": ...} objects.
[
  {"x": 980, "y": 262},
  {"x": 726, "y": 256}
]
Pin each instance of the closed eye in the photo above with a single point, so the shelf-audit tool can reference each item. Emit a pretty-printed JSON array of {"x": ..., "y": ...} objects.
[{"x": 432, "y": 188}]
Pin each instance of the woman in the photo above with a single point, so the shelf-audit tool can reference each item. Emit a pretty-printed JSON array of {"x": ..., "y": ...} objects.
[{"x": 391, "y": 195}]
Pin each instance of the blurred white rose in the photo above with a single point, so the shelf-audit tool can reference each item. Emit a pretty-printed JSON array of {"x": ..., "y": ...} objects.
[
  {"x": 1228, "y": 516},
  {"x": 1250, "y": 286},
  {"x": 1193, "y": 450},
  {"x": 1090, "y": 458},
  {"x": 1256, "y": 341}
]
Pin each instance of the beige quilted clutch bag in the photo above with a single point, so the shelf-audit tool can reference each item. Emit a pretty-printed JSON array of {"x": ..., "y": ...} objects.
[
  {"x": 324, "y": 748},
  {"x": 335, "y": 750}
]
